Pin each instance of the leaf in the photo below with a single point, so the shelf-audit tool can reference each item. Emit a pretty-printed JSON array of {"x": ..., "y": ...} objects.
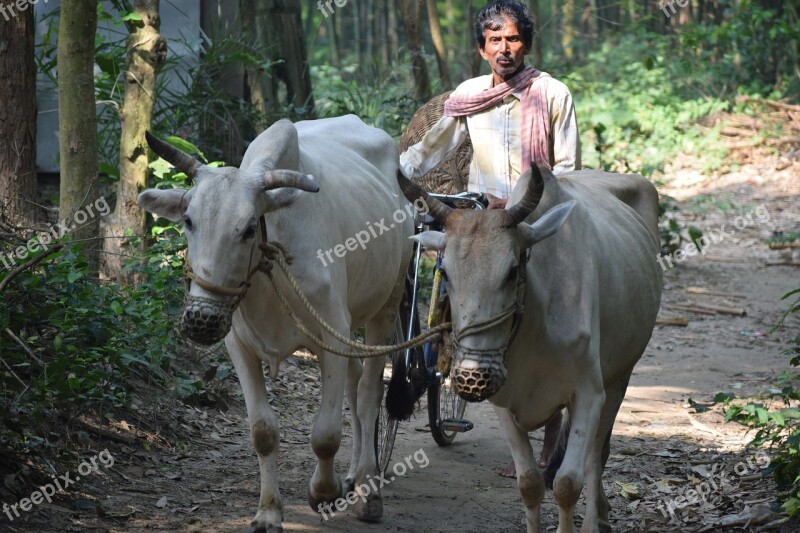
[
  {"x": 73, "y": 276},
  {"x": 117, "y": 308},
  {"x": 184, "y": 145},
  {"x": 629, "y": 490},
  {"x": 778, "y": 418},
  {"x": 723, "y": 397},
  {"x": 132, "y": 16}
]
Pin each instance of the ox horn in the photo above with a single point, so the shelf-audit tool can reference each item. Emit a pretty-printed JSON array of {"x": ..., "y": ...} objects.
[
  {"x": 180, "y": 160},
  {"x": 414, "y": 192},
  {"x": 533, "y": 195},
  {"x": 275, "y": 179}
]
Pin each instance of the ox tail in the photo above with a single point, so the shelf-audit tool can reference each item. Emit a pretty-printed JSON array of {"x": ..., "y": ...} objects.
[
  {"x": 559, "y": 452},
  {"x": 400, "y": 397}
]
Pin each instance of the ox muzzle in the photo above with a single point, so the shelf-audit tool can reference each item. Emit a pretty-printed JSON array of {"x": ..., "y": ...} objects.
[
  {"x": 478, "y": 376},
  {"x": 206, "y": 321}
]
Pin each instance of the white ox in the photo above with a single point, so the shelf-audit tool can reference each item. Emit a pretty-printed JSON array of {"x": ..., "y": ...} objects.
[
  {"x": 354, "y": 169},
  {"x": 563, "y": 330}
]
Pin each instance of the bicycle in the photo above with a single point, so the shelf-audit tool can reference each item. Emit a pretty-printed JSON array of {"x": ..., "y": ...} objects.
[{"x": 422, "y": 364}]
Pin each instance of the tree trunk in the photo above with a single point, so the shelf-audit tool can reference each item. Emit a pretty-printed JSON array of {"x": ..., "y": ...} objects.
[
  {"x": 475, "y": 58},
  {"x": 77, "y": 122},
  {"x": 381, "y": 13},
  {"x": 19, "y": 193},
  {"x": 411, "y": 12},
  {"x": 533, "y": 5},
  {"x": 451, "y": 31},
  {"x": 278, "y": 25},
  {"x": 333, "y": 40},
  {"x": 438, "y": 45},
  {"x": 394, "y": 35},
  {"x": 568, "y": 30},
  {"x": 147, "y": 51}
]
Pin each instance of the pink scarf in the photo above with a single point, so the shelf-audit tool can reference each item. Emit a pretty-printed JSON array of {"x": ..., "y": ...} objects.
[{"x": 535, "y": 116}]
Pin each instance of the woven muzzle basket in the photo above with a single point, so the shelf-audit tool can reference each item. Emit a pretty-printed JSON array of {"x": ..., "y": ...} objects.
[{"x": 452, "y": 175}]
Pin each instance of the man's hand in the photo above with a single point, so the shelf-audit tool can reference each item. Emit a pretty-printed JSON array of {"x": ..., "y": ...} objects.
[{"x": 495, "y": 202}]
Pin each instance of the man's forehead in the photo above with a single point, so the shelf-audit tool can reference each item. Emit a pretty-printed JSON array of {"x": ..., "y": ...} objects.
[{"x": 508, "y": 27}]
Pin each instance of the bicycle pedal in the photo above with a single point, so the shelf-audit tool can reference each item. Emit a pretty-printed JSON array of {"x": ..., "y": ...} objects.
[{"x": 459, "y": 425}]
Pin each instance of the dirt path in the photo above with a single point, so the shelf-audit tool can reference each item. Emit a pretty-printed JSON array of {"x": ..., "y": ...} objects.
[{"x": 205, "y": 478}]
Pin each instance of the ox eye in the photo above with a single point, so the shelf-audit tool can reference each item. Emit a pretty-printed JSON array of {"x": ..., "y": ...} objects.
[
  {"x": 513, "y": 273},
  {"x": 187, "y": 222},
  {"x": 249, "y": 233}
]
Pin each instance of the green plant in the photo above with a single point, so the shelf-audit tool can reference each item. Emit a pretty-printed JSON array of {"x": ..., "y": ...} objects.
[
  {"x": 777, "y": 422},
  {"x": 382, "y": 102}
]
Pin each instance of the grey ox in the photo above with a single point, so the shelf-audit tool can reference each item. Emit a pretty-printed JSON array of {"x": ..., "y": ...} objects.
[
  {"x": 539, "y": 325},
  {"x": 354, "y": 168}
]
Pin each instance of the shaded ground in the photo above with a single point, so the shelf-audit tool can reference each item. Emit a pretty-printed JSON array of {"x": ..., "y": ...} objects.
[{"x": 193, "y": 469}]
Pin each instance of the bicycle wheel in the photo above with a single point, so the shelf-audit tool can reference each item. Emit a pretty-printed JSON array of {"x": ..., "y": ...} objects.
[
  {"x": 443, "y": 403},
  {"x": 386, "y": 426}
]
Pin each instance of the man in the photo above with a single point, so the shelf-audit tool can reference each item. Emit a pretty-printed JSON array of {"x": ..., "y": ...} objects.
[{"x": 515, "y": 115}]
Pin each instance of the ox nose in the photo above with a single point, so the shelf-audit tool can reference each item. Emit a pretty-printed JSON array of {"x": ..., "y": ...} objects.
[
  {"x": 205, "y": 321},
  {"x": 477, "y": 379}
]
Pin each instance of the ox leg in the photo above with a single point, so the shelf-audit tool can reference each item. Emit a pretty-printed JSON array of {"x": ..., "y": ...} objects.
[
  {"x": 264, "y": 432},
  {"x": 369, "y": 506},
  {"x": 530, "y": 481},
  {"x": 584, "y": 414},
  {"x": 354, "y": 372},
  {"x": 325, "y": 486},
  {"x": 597, "y": 506}
]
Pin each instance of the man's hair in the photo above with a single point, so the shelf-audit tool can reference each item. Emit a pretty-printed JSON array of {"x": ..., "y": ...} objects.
[{"x": 493, "y": 17}]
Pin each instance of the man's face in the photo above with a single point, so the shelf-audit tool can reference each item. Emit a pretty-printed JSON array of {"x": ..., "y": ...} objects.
[{"x": 504, "y": 51}]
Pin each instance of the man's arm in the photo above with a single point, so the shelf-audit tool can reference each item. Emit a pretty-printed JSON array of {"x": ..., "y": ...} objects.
[
  {"x": 564, "y": 128},
  {"x": 435, "y": 146}
]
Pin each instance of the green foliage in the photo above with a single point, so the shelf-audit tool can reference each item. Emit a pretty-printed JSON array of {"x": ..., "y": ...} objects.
[
  {"x": 89, "y": 338},
  {"x": 382, "y": 101},
  {"x": 634, "y": 110},
  {"x": 750, "y": 51},
  {"x": 777, "y": 423}
]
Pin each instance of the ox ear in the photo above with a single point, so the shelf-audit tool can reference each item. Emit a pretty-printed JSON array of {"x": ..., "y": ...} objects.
[
  {"x": 547, "y": 225},
  {"x": 430, "y": 240},
  {"x": 170, "y": 203}
]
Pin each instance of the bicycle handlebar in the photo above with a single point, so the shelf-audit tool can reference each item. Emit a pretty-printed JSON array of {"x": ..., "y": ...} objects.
[{"x": 477, "y": 199}]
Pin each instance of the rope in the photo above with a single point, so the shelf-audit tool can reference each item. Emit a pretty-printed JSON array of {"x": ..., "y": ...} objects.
[{"x": 275, "y": 253}]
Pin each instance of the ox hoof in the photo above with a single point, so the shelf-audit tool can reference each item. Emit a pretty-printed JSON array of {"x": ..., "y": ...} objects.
[
  {"x": 318, "y": 501},
  {"x": 369, "y": 511},
  {"x": 265, "y": 529}
]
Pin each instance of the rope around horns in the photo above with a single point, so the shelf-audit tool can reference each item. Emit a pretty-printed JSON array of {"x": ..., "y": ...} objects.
[{"x": 274, "y": 252}]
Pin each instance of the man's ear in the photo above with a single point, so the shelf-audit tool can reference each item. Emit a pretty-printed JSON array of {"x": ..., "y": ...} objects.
[
  {"x": 430, "y": 240},
  {"x": 169, "y": 203},
  {"x": 547, "y": 225}
]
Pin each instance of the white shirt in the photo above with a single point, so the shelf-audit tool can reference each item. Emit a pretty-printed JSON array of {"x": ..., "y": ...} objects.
[{"x": 496, "y": 139}]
